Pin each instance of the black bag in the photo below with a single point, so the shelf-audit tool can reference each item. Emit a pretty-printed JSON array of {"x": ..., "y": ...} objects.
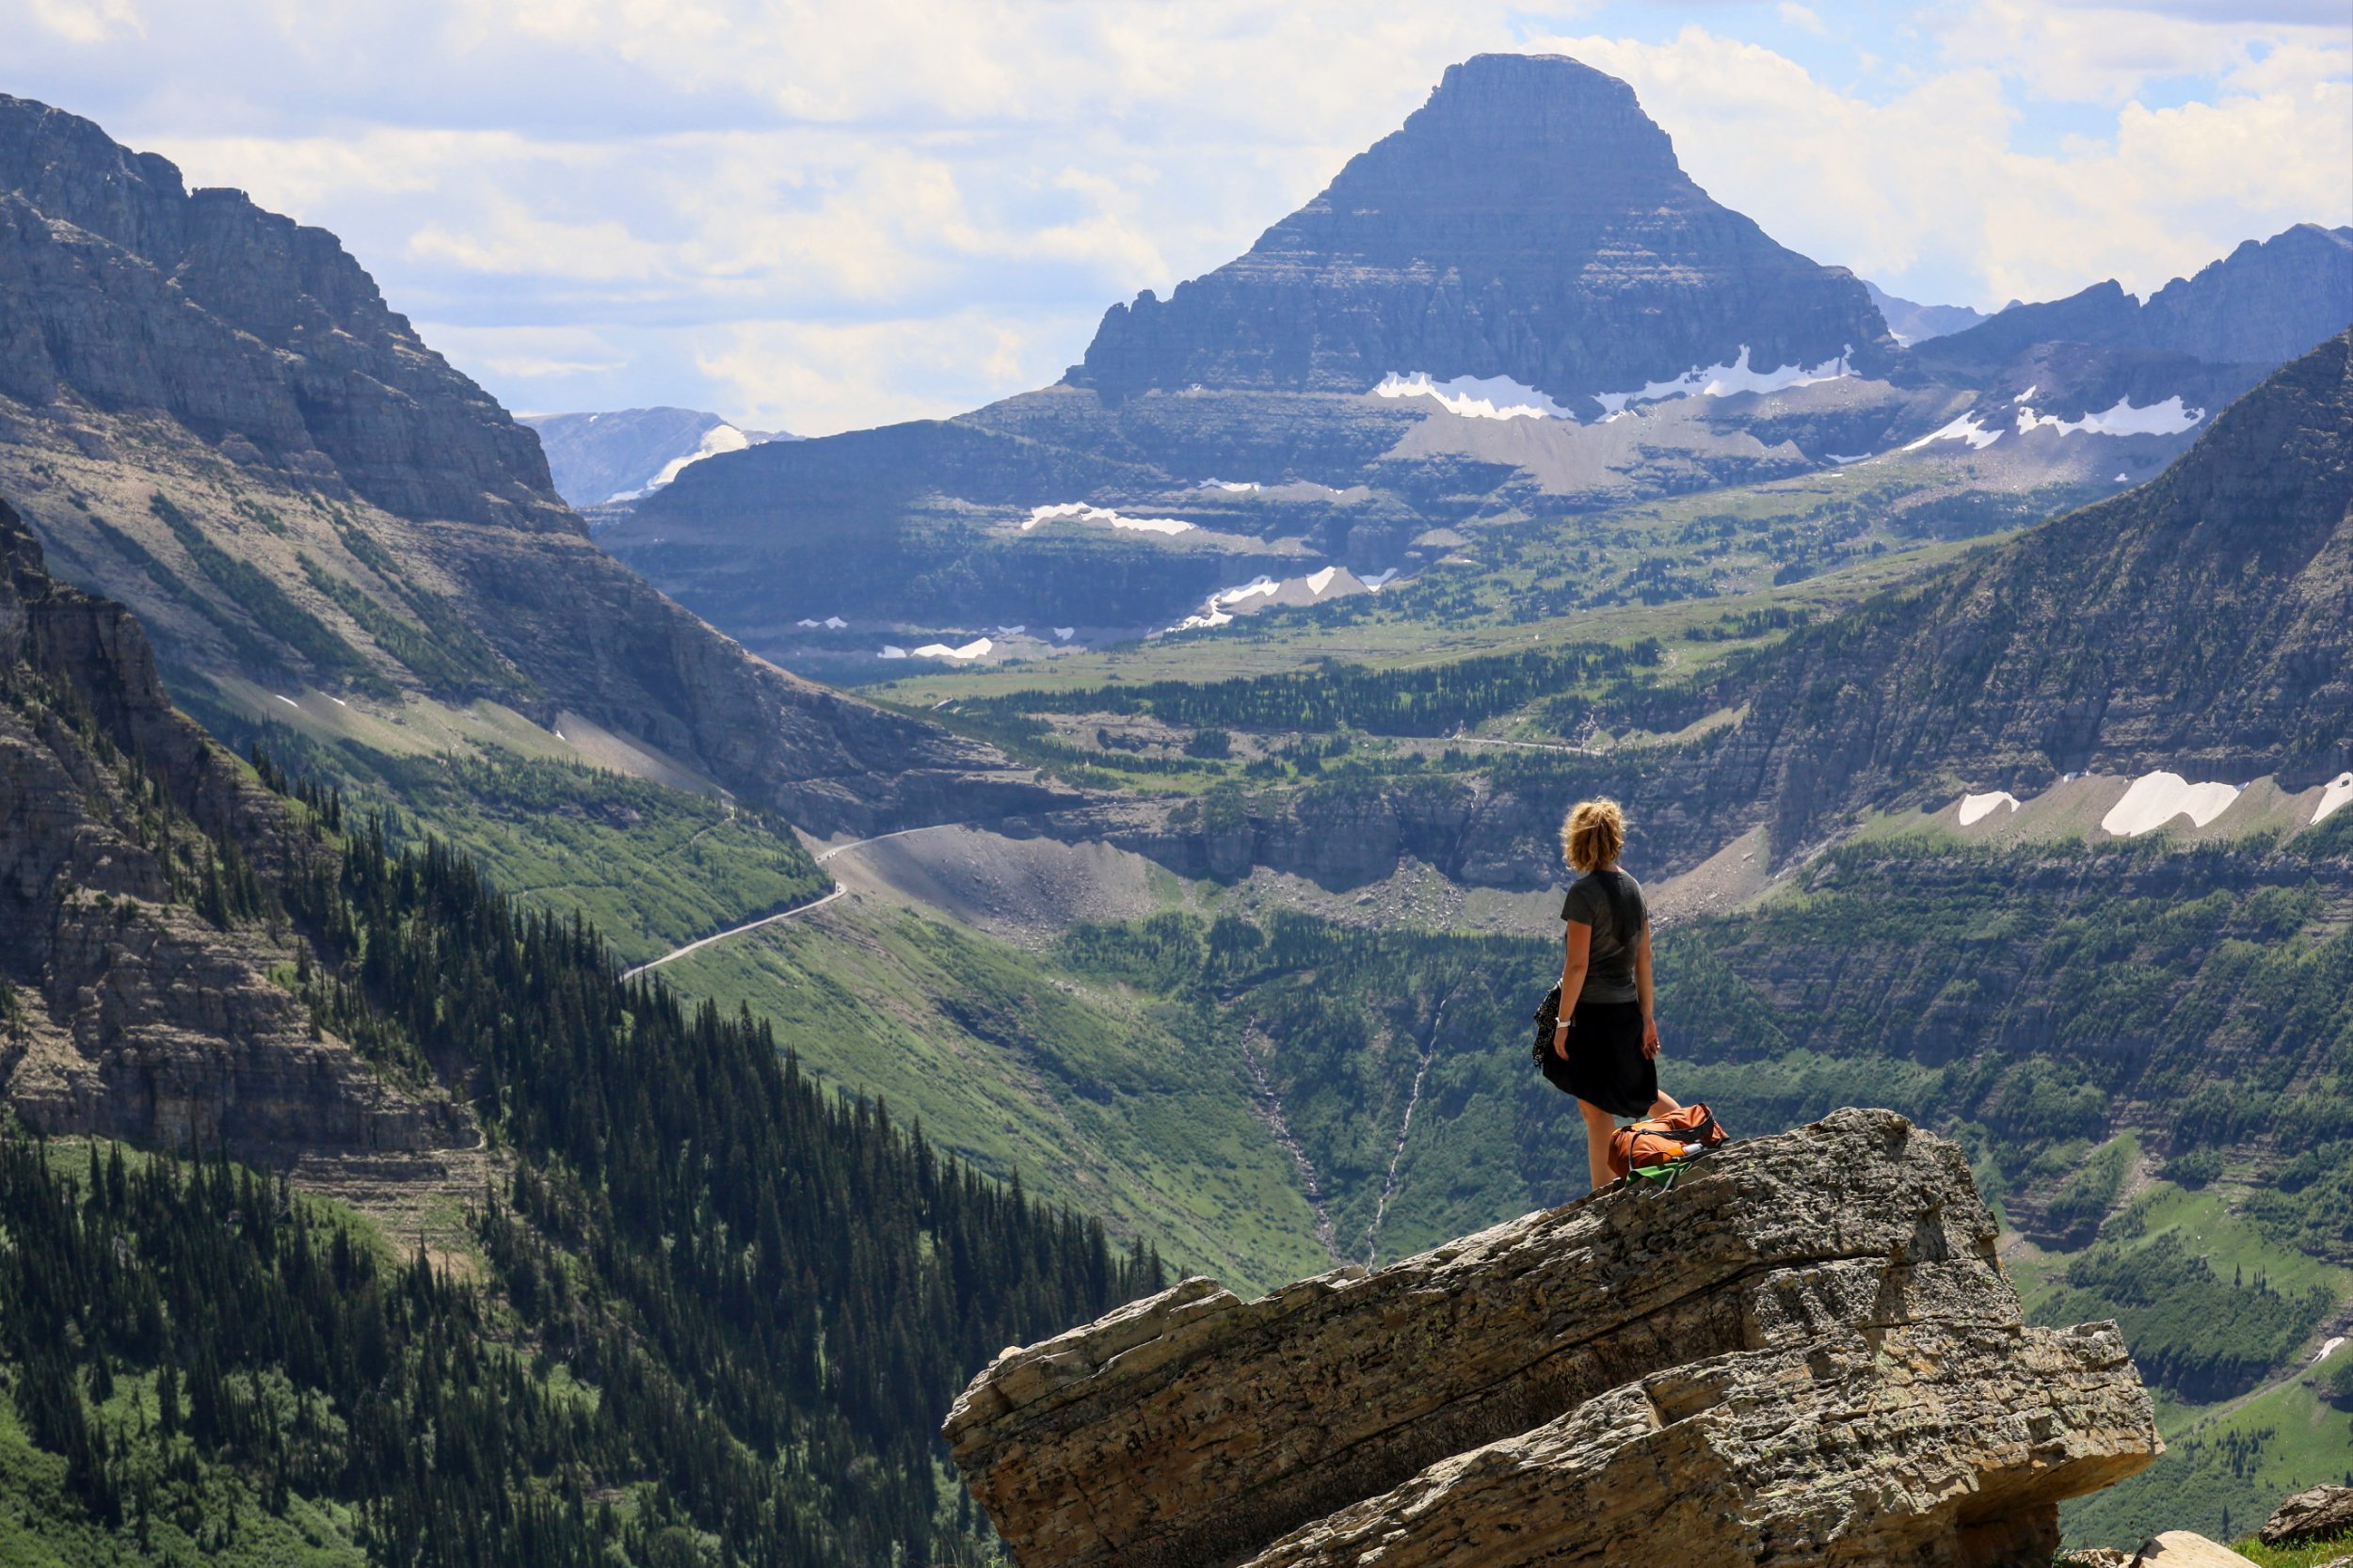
[{"x": 1547, "y": 1022}]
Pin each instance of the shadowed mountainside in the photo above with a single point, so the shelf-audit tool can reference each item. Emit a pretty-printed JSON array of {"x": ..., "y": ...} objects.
[{"x": 207, "y": 411}]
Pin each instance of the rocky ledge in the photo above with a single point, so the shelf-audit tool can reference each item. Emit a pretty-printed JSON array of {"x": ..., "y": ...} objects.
[{"x": 1806, "y": 1352}]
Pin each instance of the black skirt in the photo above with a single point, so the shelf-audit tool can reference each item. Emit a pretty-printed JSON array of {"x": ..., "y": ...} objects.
[{"x": 1606, "y": 1065}]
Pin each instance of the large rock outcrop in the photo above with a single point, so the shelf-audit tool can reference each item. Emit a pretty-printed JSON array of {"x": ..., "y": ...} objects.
[{"x": 1805, "y": 1352}]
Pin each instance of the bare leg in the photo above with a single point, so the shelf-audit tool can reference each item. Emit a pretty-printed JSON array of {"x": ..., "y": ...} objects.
[
  {"x": 1664, "y": 1103},
  {"x": 1599, "y": 1125}
]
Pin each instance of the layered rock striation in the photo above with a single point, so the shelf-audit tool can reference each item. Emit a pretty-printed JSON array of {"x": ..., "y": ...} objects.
[
  {"x": 1804, "y": 1352},
  {"x": 124, "y": 1011},
  {"x": 1529, "y": 221},
  {"x": 256, "y": 332}
]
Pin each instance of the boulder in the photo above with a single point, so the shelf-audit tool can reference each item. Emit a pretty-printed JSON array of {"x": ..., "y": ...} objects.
[
  {"x": 2183, "y": 1549},
  {"x": 1717, "y": 1351},
  {"x": 2320, "y": 1513}
]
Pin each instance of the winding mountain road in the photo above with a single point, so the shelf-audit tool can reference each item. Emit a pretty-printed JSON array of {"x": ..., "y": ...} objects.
[{"x": 798, "y": 909}]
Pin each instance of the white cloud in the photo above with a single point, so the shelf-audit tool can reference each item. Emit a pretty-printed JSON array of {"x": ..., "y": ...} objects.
[
  {"x": 87, "y": 22},
  {"x": 2108, "y": 51},
  {"x": 816, "y": 377},
  {"x": 1926, "y": 193},
  {"x": 528, "y": 353},
  {"x": 917, "y": 205}
]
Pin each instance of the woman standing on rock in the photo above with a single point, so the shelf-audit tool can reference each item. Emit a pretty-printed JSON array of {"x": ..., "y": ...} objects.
[{"x": 1605, "y": 1049}]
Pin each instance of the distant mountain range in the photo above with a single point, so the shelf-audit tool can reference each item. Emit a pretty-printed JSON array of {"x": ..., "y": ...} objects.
[
  {"x": 1517, "y": 308},
  {"x": 626, "y": 453},
  {"x": 1911, "y": 322}
]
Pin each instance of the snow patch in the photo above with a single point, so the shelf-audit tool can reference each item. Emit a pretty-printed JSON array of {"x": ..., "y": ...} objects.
[
  {"x": 1473, "y": 396},
  {"x": 2328, "y": 1347},
  {"x": 1318, "y": 581},
  {"x": 1844, "y": 457},
  {"x": 1012, "y": 631},
  {"x": 1965, "y": 429},
  {"x": 1102, "y": 517},
  {"x": 2121, "y": 479},
  {"x": 718, "y": 438},
  {"x": 1233, "y": 487},
  {"x": 2169, "y": 418},
  {"x": 338, "y": 702},
  {"x": 892, "y": 651},
  {"x": 976, "y": 649},
  {"x": 2339, "y": 791},
  {"x": 834, "y": 623},
  {"x": 287, "y": 700},
  {"x": 2155, "y": 799},
  {"x": 1729, "y": 380},
  {"x": 1976, "y": 809},
  {"x": 806, "y": 623},
  {"x": 1064, "y": 634},
  {"x": 1379, "y": 579}
]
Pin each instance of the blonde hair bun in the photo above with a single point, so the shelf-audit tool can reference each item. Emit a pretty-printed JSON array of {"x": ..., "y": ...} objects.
[{"x": 1593, "y": 835}]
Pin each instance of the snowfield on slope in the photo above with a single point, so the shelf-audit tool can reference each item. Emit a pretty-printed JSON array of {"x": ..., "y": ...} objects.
[
  {"x": 1103, "y": 517},
  {"x": 2157, "y": 798}
]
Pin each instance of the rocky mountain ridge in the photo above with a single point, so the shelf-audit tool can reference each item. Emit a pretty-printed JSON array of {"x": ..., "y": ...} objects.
[
  {"x": 208, "y": 413},
  {"x": 1832, "y": 1368},
  {"x": 330, "y": 389},
  {"x": 1516, "y": 311},
  {"x": 1435, "y": 339},
  {"x": 2197, "y": 622}
]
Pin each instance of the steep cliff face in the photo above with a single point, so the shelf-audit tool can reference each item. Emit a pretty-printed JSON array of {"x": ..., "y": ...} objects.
[
  {"x": 1805, "y": 1352},
  {"x": 2204, "y": 622},
  {"x": 258, "y": 332},
  {"x": 208, "y": 413},
  {"x": 131, "y": 1013},
  {"x": 1529, "y": 221}
]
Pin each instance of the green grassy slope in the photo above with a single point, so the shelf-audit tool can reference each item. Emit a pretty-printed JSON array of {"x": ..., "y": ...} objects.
[
  {"x": 1118, "y": 1102},
  {"x": 654, "y": 866},
  {"x": 1259, "y": 1103},
  {"x": 2230, "y": 1460}
]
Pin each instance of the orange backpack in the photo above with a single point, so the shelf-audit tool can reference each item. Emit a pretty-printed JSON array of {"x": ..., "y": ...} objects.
[{"x": 1661, "y": 1141}]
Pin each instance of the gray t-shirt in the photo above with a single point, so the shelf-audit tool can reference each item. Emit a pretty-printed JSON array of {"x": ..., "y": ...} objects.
[{"x": 1609, "y": 958}]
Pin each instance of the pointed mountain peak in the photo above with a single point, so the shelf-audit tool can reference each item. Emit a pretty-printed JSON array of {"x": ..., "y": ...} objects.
[{"x": 1529, "y": 221}]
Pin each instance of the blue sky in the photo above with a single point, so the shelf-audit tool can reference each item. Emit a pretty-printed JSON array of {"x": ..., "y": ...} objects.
[{"x": 824, "y": 214}]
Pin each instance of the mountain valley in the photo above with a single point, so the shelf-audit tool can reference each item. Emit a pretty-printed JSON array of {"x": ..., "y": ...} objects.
[{"x": 668, "y": 1031}]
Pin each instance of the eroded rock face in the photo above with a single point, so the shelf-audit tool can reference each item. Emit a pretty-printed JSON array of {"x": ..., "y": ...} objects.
[
  {"x": 130, "y": 1016},
  {"x": 254, "y": 331},
  {"x": 1722, "y": 1341}
]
